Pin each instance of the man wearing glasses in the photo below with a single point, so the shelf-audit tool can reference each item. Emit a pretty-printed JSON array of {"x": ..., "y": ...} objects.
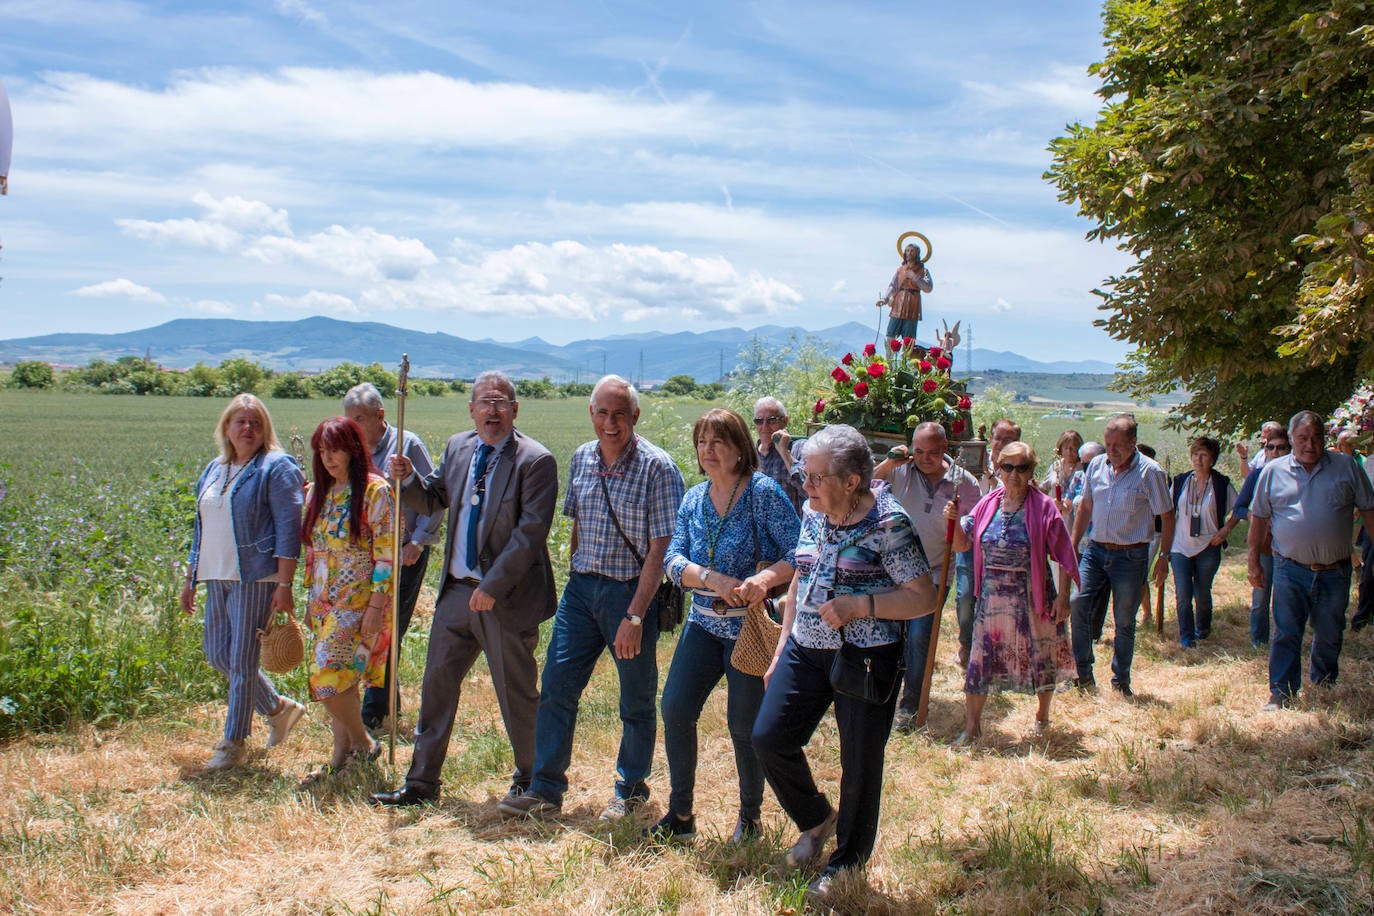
[
  {"x": 1123, "y": 491},
  {"x": 1275, "y": 446},
  {"x": 775, "y": 447},
  {"x": 500, "y": 488}
]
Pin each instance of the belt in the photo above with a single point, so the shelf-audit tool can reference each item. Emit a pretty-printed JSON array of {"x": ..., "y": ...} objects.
[
  {"x": 1316, "y": 567},
  {"x": 469, "y": 581},
  {"x": 714, "y": 606},
  {"x": 1121, "y": 546}
]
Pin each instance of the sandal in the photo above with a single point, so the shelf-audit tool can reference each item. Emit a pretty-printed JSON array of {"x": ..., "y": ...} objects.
[{"x": 318, "y": 775}]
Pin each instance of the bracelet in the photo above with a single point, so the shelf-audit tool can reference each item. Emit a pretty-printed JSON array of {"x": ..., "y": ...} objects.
[
  {"x": 283, "y": 585},
  {"x": 706, "y": 578}
]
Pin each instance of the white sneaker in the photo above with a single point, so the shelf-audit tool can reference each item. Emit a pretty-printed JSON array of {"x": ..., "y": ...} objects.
[
  {"x": 227, "y": 754},
  {"x": 282, "y": 722}
]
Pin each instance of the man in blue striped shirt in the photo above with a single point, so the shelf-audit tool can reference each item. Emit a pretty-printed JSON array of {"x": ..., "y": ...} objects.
[{"x": 623, "y": 494}]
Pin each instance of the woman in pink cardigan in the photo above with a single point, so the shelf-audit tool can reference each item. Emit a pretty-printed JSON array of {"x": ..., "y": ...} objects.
[{"x": 1020, "y": 640}]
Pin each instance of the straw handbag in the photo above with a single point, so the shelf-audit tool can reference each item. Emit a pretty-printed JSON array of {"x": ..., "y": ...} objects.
[
  {"x": 758, "y": 640},
  {"x": 283, "y": 644}
]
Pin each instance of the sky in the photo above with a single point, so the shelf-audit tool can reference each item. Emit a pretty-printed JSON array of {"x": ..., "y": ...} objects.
[{"x": 515, "y": 169}]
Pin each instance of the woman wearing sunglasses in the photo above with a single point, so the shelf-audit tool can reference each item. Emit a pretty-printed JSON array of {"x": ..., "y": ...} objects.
[{"x": 1020, "y": 641}]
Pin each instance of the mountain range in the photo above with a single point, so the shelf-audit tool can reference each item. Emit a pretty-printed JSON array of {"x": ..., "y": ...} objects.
[{"x": 313, "y": 344}]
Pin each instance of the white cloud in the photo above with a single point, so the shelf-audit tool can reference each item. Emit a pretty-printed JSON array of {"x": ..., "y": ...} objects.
[
  {"x": 194, "y": 232},
  {"x": 313, "y": 301},
  {"x": 245, "y": 215},
  {"x": 1001, "y": 305},
  {"x": 122, "y": 289},
  {"x": 299, "y": 9},
  {"x": 362, "y": 254}
]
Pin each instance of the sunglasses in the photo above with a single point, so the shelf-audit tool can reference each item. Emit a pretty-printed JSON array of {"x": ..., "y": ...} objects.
[
  {"x": 1278, "y": 448},
  {"x": 759, "y": 421},
  {"x": 1008, "y": 468}
]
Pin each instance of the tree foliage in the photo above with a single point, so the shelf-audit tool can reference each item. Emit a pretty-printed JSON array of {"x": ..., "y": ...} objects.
[
  {"x": 32, "y": 375},
  {"x": 1233, "y": 161}
]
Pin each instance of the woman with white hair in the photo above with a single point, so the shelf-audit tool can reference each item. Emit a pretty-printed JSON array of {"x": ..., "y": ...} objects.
[{"x": 860, "y": 575}]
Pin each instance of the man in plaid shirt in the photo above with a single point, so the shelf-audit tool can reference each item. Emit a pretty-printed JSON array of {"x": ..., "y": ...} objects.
[{"x": 608, "y": 601}]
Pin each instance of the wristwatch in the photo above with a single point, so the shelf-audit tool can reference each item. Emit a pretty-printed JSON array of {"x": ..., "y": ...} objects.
[{"x": 635, "y": 620}]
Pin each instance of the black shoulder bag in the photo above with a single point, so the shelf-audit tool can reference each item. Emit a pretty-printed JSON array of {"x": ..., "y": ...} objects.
[
  {"x": 868, "y": 674},
  {"x": 670, "y": 598}
]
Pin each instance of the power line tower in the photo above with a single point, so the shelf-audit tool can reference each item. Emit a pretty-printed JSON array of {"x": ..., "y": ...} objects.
[{"x": 968, "y": 354}]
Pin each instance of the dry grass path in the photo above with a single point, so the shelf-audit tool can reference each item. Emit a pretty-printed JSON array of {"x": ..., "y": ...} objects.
[{"x": 1187, "y": 799}]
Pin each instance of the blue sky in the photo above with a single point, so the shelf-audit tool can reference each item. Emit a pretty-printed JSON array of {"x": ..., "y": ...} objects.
[{"x": 567, "y": 170}]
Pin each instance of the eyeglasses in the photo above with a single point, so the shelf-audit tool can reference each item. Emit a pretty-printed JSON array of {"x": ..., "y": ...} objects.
[
  {"x": 816, "y": 480},
  {"x": 759, "y": 421},
  {"x": 1281, "y": 449},
  {"x": 1008, "y": 468},
  {"x": 499, "y": 404}
]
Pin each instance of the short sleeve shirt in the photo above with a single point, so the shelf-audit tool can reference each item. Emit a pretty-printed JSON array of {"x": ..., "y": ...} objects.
[
  {"x": 1312, "y": 515},
  {"x": 878, "y": 553},
  {"x": 645, "y": 488},
  {"x": 925, "y": 504},
  {"x": 1125, "y": 503}
]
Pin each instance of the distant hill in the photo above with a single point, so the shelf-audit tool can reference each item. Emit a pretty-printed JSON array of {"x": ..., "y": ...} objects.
[{"x": 312, "y": 344}]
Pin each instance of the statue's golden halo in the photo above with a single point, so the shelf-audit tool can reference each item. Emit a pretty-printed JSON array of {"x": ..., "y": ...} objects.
[{"x": 901, "y": 240}]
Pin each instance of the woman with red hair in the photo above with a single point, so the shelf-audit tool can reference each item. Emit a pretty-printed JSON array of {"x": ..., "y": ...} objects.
[{"x": 348, "y": 555}]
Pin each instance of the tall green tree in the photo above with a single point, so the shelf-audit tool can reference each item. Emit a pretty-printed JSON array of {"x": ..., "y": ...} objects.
[{"x": 1233, "y": 161}]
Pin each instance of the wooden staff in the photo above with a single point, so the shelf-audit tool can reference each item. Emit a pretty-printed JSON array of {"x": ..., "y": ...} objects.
[
  {"x": 924, "y": 706},
  {"x": 397, "y": 529},
  {"x": 1159, "y": 603}
]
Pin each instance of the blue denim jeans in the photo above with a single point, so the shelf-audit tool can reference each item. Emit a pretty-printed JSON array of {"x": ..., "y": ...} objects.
[
  {"x": 1259, "y": 601},
  {"x": 1301, "y": 595},
  {"x": 919, "y": 630},
  {"x": 1193, "y": 592},
  {"x": 699, "y": 662},
  {"x": 1122, "y": 572},
  {"x": 588, "y": 616}
]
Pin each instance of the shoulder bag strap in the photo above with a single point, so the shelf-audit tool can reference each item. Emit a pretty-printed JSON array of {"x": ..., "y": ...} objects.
[{"x": 610, "y": 508}]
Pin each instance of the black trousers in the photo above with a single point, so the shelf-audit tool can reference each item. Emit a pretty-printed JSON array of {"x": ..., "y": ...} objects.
[
  {"x": 412, "y": 577},
  {"x": 797, "y": 697}
]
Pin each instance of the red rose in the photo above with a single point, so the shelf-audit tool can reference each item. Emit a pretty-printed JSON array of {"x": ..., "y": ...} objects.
[
  {"x": 957, "y": 426},
  {"x": 839, "y": 375},
  {"x": 925, "y": 366},
  {"x": 943, "y": 363},
  {"x": 869, "y": 349},
  {"x": 848, "y": 359},
  {"x": 876, "y": 370},
  {"x": 930, "y": 385},
  {"x": 934, "y": 353},
  {"x": 860, "y": 389},
  {"x": 964, "y": 404},
  {"x": 820, "y": 406},
  {"x": 908, "y": 342},
  {"x": 894, "y": 345}
]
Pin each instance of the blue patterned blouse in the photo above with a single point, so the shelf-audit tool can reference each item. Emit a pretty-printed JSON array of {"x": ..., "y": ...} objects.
[
  {"x": 878, "y": 553},
  {"x": 761, "y": 506}
]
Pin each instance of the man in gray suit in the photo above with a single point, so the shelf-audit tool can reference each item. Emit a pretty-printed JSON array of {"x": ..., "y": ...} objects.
[{"x": 500, "y": 488}]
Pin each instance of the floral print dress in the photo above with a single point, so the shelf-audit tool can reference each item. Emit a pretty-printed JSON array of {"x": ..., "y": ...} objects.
[
  {"x": 340, "y": 576},
  {"x": 1013, "y": 646}
]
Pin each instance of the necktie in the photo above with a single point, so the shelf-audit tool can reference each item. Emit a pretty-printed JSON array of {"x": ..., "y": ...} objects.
[{"x": 478, "y": 492}]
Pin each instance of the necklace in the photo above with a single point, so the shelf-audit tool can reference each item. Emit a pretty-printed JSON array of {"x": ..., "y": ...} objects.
[
  {"x": 714, "y": 535},
  {"x": 1006, "y": 515},
  {"x": 830, "y": 531},
  {"x": 231, "y": 475}
]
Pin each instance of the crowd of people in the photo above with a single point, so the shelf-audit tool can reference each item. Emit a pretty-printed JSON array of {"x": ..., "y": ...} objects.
[{"x": 859, "y": 555}]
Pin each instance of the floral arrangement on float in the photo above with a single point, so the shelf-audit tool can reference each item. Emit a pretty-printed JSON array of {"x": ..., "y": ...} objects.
[
  {"x": 887, "y": 394},
  {"x": 1356, "y": 414}
]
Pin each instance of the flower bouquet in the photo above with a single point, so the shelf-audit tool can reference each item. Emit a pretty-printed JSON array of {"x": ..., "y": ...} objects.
[{"x": 894, "y": 391}]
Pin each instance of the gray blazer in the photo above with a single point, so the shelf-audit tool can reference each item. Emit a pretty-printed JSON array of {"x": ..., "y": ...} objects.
[{"x": 513, "y": 533}]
